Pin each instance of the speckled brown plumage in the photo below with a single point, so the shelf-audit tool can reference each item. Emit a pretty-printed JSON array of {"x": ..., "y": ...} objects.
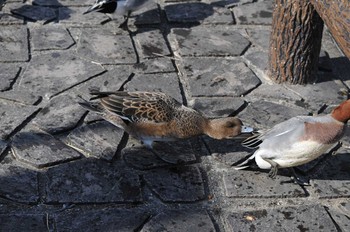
[{"x": 155, "y": 116}]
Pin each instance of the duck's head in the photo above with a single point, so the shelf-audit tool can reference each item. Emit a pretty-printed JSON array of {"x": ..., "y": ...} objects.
[
  {"x": 342, "y": 112},
  {"x": 103, "y": 6},
  {"x": 226, "y": 128}
]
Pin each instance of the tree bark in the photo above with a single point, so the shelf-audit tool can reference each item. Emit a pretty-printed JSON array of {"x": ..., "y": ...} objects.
[
  {"x": 295, "y": 42},
  {"x": 336, "y": 15}
]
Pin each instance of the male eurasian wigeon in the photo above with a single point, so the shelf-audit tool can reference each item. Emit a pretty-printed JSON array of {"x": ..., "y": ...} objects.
[
  {"x": 296, "y": 141},
  {"x": 155, "y": 116},
  {"x": 118, "y": 7}
]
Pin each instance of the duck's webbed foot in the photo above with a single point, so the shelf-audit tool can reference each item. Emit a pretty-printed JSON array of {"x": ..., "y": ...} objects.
[{"x": 274, "y": 168}]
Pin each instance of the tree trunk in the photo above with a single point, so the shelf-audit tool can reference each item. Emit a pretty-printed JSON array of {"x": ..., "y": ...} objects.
[{"x": 295, "y": 42}]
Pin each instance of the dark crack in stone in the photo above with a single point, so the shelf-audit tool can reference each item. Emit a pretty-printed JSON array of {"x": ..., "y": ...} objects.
[
  {"x": 14, "y": 44},
  {"x": 12, "y": 115},
  {"x": 92, "y": 181},
  {"x": 200, "y": 41},
  {"x": 177, "y": 184},
  {"x": 98, "y": 140},
  {"x": 105, "y": 47},
  {"x": 52, "y": 73},
  {"x": 8, "y": 75},
  {"x": 60, "y": 114},
  {"x": 302, "y": 218},
  {"x": 106, "y": 219},
  {"x": 180, "y": 220},
  {"x": 40, "y": 149},
  {"x": 20, "y": 95},
  {"x": 53, "y": 37},
  {"x": 17, "y": 183}
]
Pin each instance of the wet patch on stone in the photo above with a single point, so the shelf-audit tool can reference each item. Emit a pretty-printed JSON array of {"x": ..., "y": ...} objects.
[
  {"x": 176, "y": 184},
  {"x": 150, "y": 43},
  {"x": 98, "y": 140},
  {"x": 91, "y": 181}
]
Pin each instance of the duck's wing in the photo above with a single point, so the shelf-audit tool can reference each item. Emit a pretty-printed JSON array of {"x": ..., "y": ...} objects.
[
  {"x": 139, "y": 106},
  {"x": 286, "y": 132}
]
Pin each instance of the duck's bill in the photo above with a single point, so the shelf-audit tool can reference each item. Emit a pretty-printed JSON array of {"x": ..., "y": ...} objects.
[{"x": 246, "y": 129}]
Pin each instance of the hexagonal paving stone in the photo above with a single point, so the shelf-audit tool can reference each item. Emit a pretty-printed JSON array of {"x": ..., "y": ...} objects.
[
  {"x": 180, "y": 220},
  {"x": 40, "y": 149},
  {"x": 35, "y": 13},
  {"x": 106, "y": 47},
  {"x": 49, "y": 74},
  {"x": 191, "y": 12},
  {"x": 13, "y": 115},
  {"x": 17, "y": 183},
  {"x": 334, "y": 180},
  {"x": 260, "y": 14},
  {"x": 60, "y": 114},
  {"x": 326, "y": 91},
  {"x": 29, "y": 222},
  {"x": 177, "y": 184},
  {"x": 151, "y": 43},
  {"x": 200, "y": 41},
  {"x": 8, "y": 75},
  {"x": 302, "y": 218},
  {"x": 219, "y": 77},
  {"x": 167, "y": 83},
  {"x": 246, "y": 183},
  {"x": 98, "y": 140},
  {"x": 51, "y": 37},
  {"x": 121, "y": 220},
  {"x": 217, "y": 106},
  {"x": 14, "y": 43},
  {"x": 263, "y": 114},
  {"x": 92, "y": 181}
]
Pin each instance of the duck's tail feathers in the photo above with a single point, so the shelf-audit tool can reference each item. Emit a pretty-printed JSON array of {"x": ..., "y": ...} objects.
[
  {"x": 253, "y": 141},
  {"x": 91, "y": 106},
  {"x": 246, "y": 162}
]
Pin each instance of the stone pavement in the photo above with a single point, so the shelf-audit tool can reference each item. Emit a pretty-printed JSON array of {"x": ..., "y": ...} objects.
[{"x": 64, "y": 169}]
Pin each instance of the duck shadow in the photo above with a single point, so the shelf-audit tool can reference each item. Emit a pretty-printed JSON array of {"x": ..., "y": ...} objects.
[{"x": 46, "y": 12}]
